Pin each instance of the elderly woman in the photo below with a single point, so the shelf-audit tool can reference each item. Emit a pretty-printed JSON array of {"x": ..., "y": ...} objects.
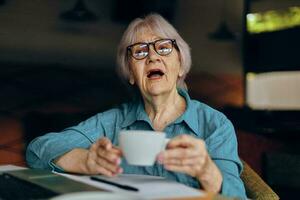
[{"x": 202, "y": 152}]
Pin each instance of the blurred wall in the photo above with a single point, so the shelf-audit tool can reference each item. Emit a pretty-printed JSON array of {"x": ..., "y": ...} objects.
[
  {"x": 198, "y": 19},
  {"x": 32, "y": 32}
]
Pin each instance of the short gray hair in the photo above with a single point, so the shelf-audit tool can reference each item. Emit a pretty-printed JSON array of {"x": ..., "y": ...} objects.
[{"x": 163, "y": 29}]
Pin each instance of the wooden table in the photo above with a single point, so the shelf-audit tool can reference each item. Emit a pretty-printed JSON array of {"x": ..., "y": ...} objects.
[{"x": 208, "y": 196}]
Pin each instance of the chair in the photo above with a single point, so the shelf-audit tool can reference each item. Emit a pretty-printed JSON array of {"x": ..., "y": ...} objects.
[{"x": 255, "y": 186}]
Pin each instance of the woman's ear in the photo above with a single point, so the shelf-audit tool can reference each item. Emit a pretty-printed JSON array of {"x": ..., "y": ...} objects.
[
  {"x": 131, "y": 78},
  {"x": 181, "y": 72},
  {"x": 131, "y": 81}
]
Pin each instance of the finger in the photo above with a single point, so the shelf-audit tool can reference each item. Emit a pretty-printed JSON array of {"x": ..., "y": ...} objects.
[
  {"x": 103, "y": 171},
  {"x": 179, "y": 153},
  {"x": 113, "y": 150},
  {"x": 95, "y": 167},
  {"x": 114, "y": 168},
  {"x": 105, "y": 149},
  {"x": 110, "y": 156},
  {"x": 181, "y": 162},
  {"x": 105, "y": 143},
  {"x": 187, "y": 169},
  {"x": 180, "y": 141},
  {"x": 117, "y": 150},
  {"x": 94, "y": 147}
]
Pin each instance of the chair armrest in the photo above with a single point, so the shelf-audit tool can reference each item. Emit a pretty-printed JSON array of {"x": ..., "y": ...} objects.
[{"x": 255, "y": 186}]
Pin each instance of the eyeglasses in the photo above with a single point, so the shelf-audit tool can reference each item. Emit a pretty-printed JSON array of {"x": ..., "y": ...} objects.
[{"x": 162, "y": 47}]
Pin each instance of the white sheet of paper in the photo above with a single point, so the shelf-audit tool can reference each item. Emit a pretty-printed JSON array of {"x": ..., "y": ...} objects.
[
  {"x": 10, "y": 168},
  {"x": 150, "y": 187}
]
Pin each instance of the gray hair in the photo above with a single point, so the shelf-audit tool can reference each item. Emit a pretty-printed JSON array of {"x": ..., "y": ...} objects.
[{"x": 163, "y": 29}]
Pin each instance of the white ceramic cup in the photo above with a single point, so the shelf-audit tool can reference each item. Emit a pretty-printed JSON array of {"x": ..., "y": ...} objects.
[{"x": 142, "y": 147}]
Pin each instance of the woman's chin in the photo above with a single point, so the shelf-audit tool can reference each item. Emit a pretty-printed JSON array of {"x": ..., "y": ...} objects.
[{"x": 156, "y": 91}]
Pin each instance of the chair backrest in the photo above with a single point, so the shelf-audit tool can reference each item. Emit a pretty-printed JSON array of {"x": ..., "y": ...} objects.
[{"x": 256, "y": 187}]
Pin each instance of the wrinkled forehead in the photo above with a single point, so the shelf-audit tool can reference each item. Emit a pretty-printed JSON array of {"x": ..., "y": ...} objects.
[{"x": 147, "y": 33}]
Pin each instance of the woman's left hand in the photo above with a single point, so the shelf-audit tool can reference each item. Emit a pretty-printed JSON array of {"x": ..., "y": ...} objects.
[{"x": 187, "y": 154}]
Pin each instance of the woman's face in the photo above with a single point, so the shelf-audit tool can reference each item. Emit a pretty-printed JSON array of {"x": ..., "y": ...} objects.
[{"x": 155, "y": 74}]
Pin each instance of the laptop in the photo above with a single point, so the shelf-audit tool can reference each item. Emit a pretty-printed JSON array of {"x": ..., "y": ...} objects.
[{"x": 37, "y": 184}]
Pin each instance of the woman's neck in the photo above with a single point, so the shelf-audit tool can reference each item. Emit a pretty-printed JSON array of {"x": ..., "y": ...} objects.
[{"x": 164, "y": 109}]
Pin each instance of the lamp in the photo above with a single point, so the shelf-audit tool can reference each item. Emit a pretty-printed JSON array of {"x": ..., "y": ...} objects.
[
  {"x": 79, "y": 13},
  {"x": 222, "y": 33}
]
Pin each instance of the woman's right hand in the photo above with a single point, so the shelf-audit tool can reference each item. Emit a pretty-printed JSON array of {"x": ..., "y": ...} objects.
[{"x": 104, "y": 158}]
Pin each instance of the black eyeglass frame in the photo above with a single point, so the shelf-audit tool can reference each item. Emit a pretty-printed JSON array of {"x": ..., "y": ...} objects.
[{"x": 174, "y": 44}]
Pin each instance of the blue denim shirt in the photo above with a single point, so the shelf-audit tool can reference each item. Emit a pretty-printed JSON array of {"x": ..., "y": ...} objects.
[{"x": 199, "y": 120}]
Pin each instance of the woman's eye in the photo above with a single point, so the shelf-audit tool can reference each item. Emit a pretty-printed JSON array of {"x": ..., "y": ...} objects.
[
  {"x": 164, "y": 49},
  {"x": 140, "y": 53}
]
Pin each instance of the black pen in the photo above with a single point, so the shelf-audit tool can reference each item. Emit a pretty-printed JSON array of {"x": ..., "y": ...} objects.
[{"x": 125, "y": 187}]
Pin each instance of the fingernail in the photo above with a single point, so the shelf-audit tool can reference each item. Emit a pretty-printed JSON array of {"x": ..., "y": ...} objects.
[
  {"x": 120, "y": 170},
  {"x": 160, "y": 158},
  {"x": 118, "y": 161}
]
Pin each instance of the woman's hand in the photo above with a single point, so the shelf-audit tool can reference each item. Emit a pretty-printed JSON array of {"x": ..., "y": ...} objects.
[
  {"x": 187, "y": 154},
  {"x": 101, "y": 158},
  {"x": 104, "y": 158}
]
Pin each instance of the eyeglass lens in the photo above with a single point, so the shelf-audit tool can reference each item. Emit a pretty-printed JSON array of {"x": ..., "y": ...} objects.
[{"x": 162, "y": 47}]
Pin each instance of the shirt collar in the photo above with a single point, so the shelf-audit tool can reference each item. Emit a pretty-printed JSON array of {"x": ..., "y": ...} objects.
[
  {"x": 137, "y": 112},
  {"x": 190, "y": 115}
]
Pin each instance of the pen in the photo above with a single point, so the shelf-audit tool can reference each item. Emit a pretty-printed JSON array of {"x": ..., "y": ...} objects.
[{"x": 125, "y": 187}]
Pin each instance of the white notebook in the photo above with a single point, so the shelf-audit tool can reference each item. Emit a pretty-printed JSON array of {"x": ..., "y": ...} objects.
[{"x": 150, "y": 187}]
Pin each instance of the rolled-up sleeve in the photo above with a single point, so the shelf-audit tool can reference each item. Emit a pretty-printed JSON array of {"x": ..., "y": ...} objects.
[
  {"x": 222, "y": 147},
  {"x": 44, "y": 149}
]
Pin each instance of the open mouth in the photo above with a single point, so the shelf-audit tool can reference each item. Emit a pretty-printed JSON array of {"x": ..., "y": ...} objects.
[{"x": 155, "y": 73}]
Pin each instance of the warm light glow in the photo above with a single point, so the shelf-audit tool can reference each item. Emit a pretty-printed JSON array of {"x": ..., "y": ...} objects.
[{"x": 273, "y": 20}]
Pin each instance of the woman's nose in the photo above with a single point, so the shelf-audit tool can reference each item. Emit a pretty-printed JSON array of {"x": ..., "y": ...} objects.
[{"x": 152, "y": 55}]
